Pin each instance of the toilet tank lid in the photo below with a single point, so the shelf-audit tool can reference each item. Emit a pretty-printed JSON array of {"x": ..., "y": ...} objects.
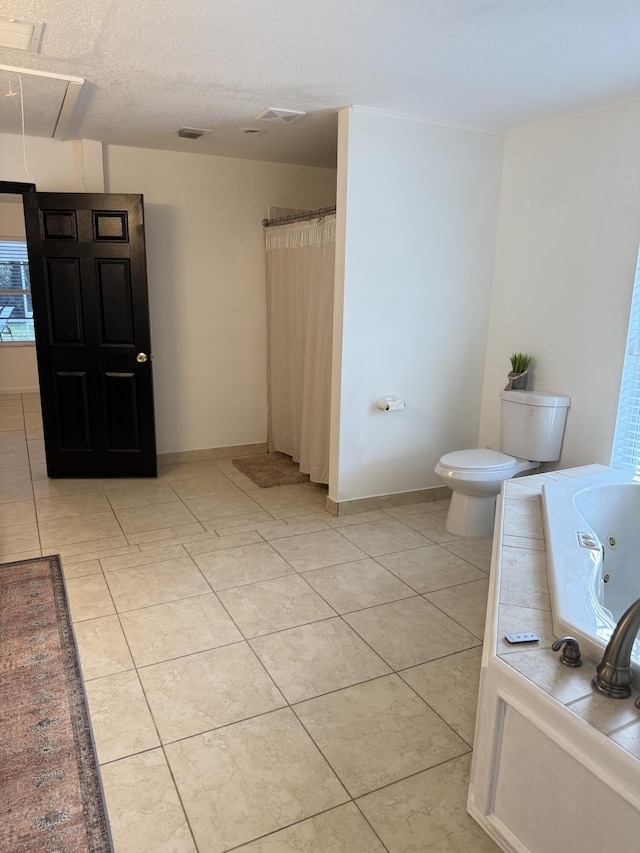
[{"x": 537, "y": 398}]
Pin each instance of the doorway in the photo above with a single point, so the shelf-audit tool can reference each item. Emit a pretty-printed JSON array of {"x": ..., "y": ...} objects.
[{"x": 89, "y": 305}]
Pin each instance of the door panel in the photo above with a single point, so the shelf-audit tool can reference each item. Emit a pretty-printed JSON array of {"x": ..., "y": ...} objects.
[{"x": 89, "y": 289}]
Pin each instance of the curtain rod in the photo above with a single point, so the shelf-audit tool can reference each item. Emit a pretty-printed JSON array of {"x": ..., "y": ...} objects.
[{"x": 299, "y": 217}]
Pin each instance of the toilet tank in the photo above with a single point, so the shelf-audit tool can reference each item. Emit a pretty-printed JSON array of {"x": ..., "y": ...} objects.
[{"x": 532, "y": 424}]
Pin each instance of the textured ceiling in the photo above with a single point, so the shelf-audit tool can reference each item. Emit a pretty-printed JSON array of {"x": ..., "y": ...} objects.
[{"x": 152, "y": 66}]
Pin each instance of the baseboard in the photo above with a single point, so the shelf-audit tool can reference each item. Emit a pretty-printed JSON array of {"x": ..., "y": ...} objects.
[
  {"x": 420, "y": 496},
  {"x": 211, "y": 453}
]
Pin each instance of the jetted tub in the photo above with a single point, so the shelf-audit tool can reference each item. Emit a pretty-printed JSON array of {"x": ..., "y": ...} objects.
[{"x": 593, "y": 556}]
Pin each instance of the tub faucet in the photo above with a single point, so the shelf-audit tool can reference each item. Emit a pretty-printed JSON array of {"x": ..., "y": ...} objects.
[{"x": 614, "y": 671}]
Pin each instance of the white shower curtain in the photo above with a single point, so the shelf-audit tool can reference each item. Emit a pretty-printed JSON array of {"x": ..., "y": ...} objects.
[{"x": 300, "y": 272}]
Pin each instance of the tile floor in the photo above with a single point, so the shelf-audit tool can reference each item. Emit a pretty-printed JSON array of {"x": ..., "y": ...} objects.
[{"x": 261, "y": 675}]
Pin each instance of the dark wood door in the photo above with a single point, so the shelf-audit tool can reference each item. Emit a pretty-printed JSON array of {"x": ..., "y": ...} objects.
[{"x": 90, "y": 306}]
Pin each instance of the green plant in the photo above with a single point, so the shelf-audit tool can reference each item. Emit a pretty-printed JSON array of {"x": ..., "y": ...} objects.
[{"x": 520, "y": 362}]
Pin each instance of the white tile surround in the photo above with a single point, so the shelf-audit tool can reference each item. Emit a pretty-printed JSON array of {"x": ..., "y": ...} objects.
[
  {"x": 261, "y": 674},
  {"x": 524, "y": 604},
  {"x": 556, "y": 767}
]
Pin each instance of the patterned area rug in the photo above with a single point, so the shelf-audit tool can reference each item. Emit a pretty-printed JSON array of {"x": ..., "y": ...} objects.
[
  {"x": 271, "y": 469},
  {"x": 51, "y": 798}
]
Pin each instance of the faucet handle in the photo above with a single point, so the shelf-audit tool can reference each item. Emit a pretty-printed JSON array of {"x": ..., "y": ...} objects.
[{"x": 570, "y": 653}]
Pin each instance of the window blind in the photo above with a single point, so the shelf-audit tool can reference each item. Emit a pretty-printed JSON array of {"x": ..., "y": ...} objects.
[{"x": 626, "y": 442}]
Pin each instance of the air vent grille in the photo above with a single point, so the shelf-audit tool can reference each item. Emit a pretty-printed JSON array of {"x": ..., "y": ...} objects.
[
  {"x": 191, "y": 132},
  {"x": 276, "y": 114}
]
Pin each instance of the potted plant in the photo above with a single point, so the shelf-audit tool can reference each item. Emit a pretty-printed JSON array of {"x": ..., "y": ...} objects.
[{"x": 519, "y": 373}]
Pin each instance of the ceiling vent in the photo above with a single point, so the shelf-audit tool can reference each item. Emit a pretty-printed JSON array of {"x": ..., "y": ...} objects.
[
  {"x": 191, "y": 132},
  {"x": 275, "y": 114},
  {"x": 20, "y": 35}
]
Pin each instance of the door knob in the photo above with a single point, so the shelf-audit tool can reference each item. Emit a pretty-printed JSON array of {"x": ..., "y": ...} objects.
[{"x": 142, "y": 357}]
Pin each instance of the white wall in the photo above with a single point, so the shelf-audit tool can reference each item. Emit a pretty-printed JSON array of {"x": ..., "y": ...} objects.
[
  {"x": 18, "y": 366},
  {"x": 206, "y": 269},
  {"x": 568, "y": 240},
  {"x": 417, "y": 218}
]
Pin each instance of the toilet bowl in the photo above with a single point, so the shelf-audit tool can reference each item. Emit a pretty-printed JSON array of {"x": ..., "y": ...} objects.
[
  {"x": 532, "y": 427},
  {"x": 475, "y": 478}
]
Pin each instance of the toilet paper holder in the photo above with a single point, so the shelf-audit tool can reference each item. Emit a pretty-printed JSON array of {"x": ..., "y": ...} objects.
[{"x": 390, "y": 403}]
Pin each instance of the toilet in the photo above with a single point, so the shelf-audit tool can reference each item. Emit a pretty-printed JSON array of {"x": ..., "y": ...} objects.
[{"x": 531, "y": 429}]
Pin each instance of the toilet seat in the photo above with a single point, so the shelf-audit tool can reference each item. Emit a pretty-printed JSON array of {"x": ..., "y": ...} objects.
[{"x": 478, "y": 462}]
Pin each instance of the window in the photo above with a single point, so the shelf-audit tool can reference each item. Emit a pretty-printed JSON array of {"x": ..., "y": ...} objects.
[
  {"x": 16, "y": 310},
  {"x": 626, "y": 442}
]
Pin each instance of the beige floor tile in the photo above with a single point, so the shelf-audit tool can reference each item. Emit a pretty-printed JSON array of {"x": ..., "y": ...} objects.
[
  {"x": 13, "y": 441},
  {"x": 278, "y": 530},
  {"x": 200, "y": 487},
  {"x": 427, "y": 813},
  {"x": 66, "y": 488},
  {"x": 254, "y": 777},
  {"x": 431, "y": 525},
  {"x": 19, "y": 537},
  {"x": 68, "y": 531},
  {"x": 341, "y": 830},
  {"x": 286, "y": 496},
  {"x": 450, "y": 686},
  {"x": 35, "y": 442},
  {"x": 17, "y": 513},
  {"x": 95, "y": 549},
  {"x": 242, "y": 481},
  {"x": 19, "y": 474},
  {"x": 186, "y": 470},
  {"x": 141, "y": 519},
  {"x": 103, "y": 648},
  {"x": 79, "y": 570},
  {"x": 376, "y": 733},
  {"x": 430, "y": 568},
  {"x": 239, "y": 523},
  {"x": 36, "y": 458},
  {"x": 317, "y": 550},
  {"x": 274, "y": 605},
  {"x": 38, "y": 471},
  {"x": 213, "y": 542},
  {"x": 221, "y": 506},
  {"x": 358, "y": 518},
  {"x": 120, "y": 717},
  {"x": 167, "y": 535},
  {"x": 141, "y": 558},
  {"x": 52, "y": 508},
  {"x": 311, "y": 507},
  {"x": 467, "y": 604},
  {"x": 474, "y": 551},
  {"x": 14, "y": 460},
  {"x": 11, "y": 424},
  {"x": 155, "y": 583},
  {"x": 317, "y": 658},
  {"x": 204, "y": 691},
  {"x": 237, "y": 566},
  {"x": 409, "y": 632},
  {"x": 178, "y": 628},
  {"x": 89, "y": 597},
  {"x": 135, "y": 495},
  {"x": 35, "y": 433},
  {"x": 20, "y": 555},
  {"x": 10, "y": 492},
  {"x": 352, "y": 586},
  {"x": 384, "y": 537},
  {"x": 143, "y": 806}
]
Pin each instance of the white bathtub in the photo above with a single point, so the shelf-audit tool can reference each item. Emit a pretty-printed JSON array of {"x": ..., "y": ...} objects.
[{"x": 593, "y": 556}]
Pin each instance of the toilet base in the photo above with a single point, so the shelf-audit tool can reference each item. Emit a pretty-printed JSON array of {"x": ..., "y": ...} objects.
[{"x": 471, "y": 515}]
